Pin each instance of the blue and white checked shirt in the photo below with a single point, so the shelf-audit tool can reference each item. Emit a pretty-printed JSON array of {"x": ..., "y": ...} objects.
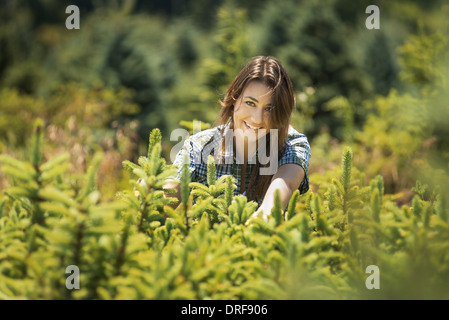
[{"x": 200, "y": 145}]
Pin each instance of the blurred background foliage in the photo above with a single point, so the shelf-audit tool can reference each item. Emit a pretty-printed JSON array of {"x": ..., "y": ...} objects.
[{"x": 137, "y": 65}]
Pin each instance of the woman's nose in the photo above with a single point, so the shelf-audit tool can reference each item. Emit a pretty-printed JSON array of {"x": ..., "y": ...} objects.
[{"x": 257, "y": 116}]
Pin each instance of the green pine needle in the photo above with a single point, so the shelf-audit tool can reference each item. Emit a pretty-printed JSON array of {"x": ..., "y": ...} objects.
[
  {"x": 291, "y": 210},
  {"x": 185, "y": 180},
  {"x": 211, "y": 172},
  {"x": 277, "y": 212},
  {"x": 37, "y": 143},
  {"x": 155, "y": 138},
  {"x": 346, "y": 167}
]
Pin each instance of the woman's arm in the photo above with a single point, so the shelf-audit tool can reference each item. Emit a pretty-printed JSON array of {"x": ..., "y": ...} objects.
[{"x": 287, "y": 179}]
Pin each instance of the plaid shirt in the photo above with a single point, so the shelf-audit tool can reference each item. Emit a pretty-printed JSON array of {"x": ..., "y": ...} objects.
[{"x": 200, "y": 145}]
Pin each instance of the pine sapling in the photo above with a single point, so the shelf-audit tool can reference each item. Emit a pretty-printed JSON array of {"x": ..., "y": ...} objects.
[
  {"x": 305, "y": 229},
  {"x": 229, "y": 190},
  {"x": 37, "y": 143},
  {"x": 379, "y": 183},
  {"x": 331, "y": 198},
  {"x": 309, "y": 203},
  {"x": 346, "y": 168},
  {"x": 154, "y": 139},
  {"x": 155, "y": 164},
  {"x": 211, "y": 171},
  {"x": 321, "y": 220},
  {"x": 185, "y": 189},
  {"x": 426, "y": 216},
  {"x": 121, "y": 253},
  {"x": 440, "y": 209},
  {"x": 420, "y": 189},
  {"x": 90, "y": 183},
  {"x": 185, "y": 180},
  {"x": 220, "y": 191},
  {"x": 129, "y": 166},
  {"x": 347, "y": 194},
  {"x": 417, "y": 206},
  {"x": 55, "y": 167},
  {"x": 291, "y": 210},
  {"x": 375, "y": 205},
  {"x": 235, "y": 211},
  {"x": 343, "y": 187},
  {"x": 277, "y": 212},
  {"x": 240, "y": 210}
]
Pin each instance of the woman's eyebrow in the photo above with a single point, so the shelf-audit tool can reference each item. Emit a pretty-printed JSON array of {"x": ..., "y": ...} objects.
[{"x": 252, "y": 98}]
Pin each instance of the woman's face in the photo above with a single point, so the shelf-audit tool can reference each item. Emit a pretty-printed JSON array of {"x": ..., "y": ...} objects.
[{"x": 252, "y": 111}]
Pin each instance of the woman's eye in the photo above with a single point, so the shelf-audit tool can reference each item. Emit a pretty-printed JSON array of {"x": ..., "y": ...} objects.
[
  {"x": 250, "y": 103},
  {"x": 268, "y": 109}
]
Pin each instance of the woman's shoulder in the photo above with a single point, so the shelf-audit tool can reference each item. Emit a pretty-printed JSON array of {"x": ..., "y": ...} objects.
[
  {"x": 293, "y": 134},
  {"x": 202, "y": 138},
  {"x": 296, "y": 147}
]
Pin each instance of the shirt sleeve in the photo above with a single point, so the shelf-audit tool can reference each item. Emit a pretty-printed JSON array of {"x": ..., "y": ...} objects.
[{"x": 298, "y": 151}]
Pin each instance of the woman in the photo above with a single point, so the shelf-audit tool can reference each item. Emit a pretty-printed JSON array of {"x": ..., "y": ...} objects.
[{"x": 254, "y": 121}]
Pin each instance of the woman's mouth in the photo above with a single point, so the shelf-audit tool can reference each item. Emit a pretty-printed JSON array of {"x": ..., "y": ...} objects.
[{"x": 252, "y": 128}]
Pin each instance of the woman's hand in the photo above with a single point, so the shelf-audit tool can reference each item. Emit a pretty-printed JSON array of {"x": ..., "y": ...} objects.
[
  {"x": 256, "y": 214},
  {"x": 286, "y": 179}
]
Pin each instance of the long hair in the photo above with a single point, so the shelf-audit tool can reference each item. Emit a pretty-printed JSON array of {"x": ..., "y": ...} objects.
[{"x": 272, "y": 74}]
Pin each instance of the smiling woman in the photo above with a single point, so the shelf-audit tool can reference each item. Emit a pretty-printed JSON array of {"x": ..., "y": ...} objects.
[
  {"x": 254, "y": 121},
  {"x": 251, "y": 118}
]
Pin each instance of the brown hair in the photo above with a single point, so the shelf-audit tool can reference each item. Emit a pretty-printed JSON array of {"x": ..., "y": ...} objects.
[{"x": 271, "y": 73}]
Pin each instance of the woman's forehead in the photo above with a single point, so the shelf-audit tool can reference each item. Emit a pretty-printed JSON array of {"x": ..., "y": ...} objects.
[{"x": 257, "y": 90}]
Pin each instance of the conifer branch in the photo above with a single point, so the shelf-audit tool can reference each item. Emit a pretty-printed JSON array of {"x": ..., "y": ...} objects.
[
  {"x": 154, "y": 139},
  {"x": 185, "y": 180},
  {"x": 229, "y": 190},
  {"x": 346, "y": 168},
  {"x": 211, "y": 174},
  {"x": 277, "y": 212},
  {"x": 291, "y": 210},
  {"x": 332, "y": 198},
  {"x": 90, "y": 183},
  {"x": 37, "y": 143}
]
